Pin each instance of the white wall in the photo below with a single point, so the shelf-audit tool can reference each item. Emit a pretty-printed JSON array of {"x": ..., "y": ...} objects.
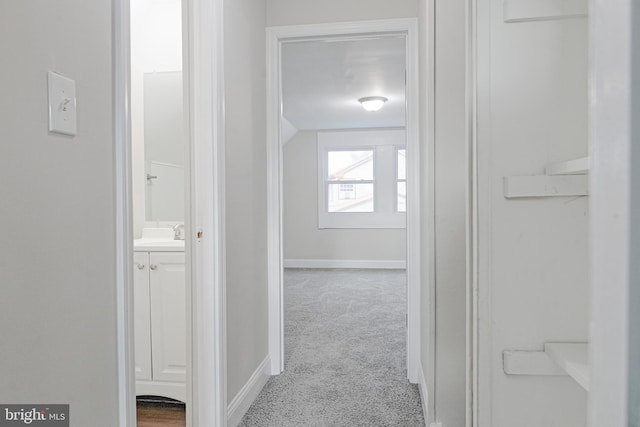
[
  {"x": 446, "y": 383},
  {"x": 534, "y": 283},
  {"x": 246, "y": 203},
  {"x": 302, "y": 238},
  {"x": 164, "y": 118},
  {"x": 291, "y": 12},
  {"x": 57, "y": 249}
]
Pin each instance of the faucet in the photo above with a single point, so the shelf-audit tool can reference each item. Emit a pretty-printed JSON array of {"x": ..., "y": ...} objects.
[{"x": 178, "y": 231}]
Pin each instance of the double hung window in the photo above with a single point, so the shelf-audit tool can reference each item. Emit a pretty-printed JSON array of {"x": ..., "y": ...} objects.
[{"x": 361, "y": 179}]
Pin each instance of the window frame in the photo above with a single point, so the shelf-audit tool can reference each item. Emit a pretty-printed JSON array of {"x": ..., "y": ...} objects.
[
  {"x": 385, "y": 144},
  {"x": 398, "y": 179}
]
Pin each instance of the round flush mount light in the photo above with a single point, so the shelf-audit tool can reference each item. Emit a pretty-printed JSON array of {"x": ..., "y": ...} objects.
[{"x": 372, "y": 103}]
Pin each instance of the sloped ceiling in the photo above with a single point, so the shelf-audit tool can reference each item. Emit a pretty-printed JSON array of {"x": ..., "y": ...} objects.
[{"x": 322, "y": 81}]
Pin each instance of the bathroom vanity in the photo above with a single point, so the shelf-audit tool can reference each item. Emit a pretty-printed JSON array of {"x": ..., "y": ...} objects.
[{"x": 160, "y": 316}]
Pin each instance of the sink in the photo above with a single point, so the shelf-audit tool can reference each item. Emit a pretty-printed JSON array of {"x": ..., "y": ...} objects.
[
  {"x": 160, "y": 234},
  {"x": 158, "y": 239}
]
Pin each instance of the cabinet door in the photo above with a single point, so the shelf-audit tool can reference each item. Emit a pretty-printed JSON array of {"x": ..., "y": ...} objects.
[
  {"x": 142, "y": 315},
  {"x": 168, "y": 316}
]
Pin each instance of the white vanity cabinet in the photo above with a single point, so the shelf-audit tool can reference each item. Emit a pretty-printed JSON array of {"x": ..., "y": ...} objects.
[{"x": 160, "y": 323}]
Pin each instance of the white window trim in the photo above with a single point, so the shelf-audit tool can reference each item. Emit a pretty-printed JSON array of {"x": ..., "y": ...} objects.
[
  {"x": 397, "y": 178},
  {"x": 386, "y": 215}
]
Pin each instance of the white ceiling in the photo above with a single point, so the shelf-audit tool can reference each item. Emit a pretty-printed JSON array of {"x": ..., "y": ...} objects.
[{"x": 322, "y": 81}]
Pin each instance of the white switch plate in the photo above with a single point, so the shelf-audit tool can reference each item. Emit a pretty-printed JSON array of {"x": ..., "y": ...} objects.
[{"x": 62, "y": 104}]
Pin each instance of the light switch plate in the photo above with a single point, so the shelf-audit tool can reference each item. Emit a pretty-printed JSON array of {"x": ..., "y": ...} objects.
[{"x": 62, "y": 104}]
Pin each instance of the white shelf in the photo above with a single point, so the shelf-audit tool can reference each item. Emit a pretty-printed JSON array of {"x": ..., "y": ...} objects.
[
  {"x": 515, "y": 187},
  {"x": 571, "y": 167},
  {"x": 562, "y": 179},
  {"x": 573, "y": 358},
  {"x": 522, "y": 362},
  {"x": 543, "y": 10}
]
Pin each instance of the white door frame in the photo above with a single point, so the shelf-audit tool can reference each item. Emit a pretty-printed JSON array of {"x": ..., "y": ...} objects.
[
  {"x": 123, "y": 213},
  {"x": 614, "y": 179},
  {"x": 206, "y": 306},
  {"x": 275, "y": 37},
  {"x": 207, "y": 390},
  {"x": 472, "y": 214}
]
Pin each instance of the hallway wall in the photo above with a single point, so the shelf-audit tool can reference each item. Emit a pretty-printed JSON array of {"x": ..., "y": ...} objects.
[
  {"x": 246, "y": 201},
  {"x": 302, "y": 238},
  {"x": 444, "y": 264},
  {"x": 57, "y": 247}
]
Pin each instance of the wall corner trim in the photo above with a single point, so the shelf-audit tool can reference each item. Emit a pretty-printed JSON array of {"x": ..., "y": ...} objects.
[{"x": 248, "y": 393}]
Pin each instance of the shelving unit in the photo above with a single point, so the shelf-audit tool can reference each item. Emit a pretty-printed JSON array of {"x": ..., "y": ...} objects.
[{"x": 562, "y": 179}]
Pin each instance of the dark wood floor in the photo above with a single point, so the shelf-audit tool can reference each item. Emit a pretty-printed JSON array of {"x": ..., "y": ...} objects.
[{"x": 154, "y": 416}]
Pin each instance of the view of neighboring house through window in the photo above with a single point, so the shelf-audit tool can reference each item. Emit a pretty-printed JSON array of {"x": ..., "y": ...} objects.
[
  {"x": 361, "y": 179},
  {"x": 350, "y": 181}
]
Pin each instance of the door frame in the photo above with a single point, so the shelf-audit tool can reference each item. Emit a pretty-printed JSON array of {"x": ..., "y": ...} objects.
[
  {"x": 123, "y": 213},
  {"x": 614, "y": 106},
  {"x": 275, "y": 37},
  {"x": 207, "y": 353},
  {"x": 204, "y": 249}
]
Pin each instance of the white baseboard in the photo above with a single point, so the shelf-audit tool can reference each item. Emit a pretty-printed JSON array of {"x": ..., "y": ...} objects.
[
  {"x": 248, "y": 394},
  {"x": 344, "y": 263},
  {"x": 424, "y": 394}
]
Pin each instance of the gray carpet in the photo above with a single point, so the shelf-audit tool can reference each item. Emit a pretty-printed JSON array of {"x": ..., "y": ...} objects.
[{"x": 345, "y": 354}]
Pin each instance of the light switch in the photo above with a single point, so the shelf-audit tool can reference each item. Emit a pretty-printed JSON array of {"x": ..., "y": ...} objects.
[{"x": 62, "y": 104}]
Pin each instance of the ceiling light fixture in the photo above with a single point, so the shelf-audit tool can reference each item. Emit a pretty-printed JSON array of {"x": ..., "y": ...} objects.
[{"x": 372, "y": 103}]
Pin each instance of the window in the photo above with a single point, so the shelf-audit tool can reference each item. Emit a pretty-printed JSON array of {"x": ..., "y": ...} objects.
[
  {"x": 350, "y": 181},
  {"x": 361, "y": 179}
]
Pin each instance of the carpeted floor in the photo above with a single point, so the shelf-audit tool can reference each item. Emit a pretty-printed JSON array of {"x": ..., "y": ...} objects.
[{"x": 345, "y": 354}]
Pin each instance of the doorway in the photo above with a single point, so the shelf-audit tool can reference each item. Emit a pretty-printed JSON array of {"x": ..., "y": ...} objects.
[
  {"x": 204, "y": 224},
  {"x": 160, "y": 176},
  {"x": 278, "y": 37}
]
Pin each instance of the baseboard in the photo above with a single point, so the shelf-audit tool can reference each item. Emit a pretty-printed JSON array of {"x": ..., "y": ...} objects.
[
  {"x": 345, "y": 263},
  {"x": 248, "y": 394},
  {"x": 424, "y": 394}
]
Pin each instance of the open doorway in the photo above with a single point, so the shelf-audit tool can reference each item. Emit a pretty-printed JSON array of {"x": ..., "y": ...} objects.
[
  {"x": 160, "y": 172},
  {"x": 370, "y": 148},
  {"x": 205, "y": 306},
  {"x": 344, "y": 229}
]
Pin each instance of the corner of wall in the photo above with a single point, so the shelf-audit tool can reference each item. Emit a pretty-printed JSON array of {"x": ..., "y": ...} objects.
[{"x": 248, "y": 393}]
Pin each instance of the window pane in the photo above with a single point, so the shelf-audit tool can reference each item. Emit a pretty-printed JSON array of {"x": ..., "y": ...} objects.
[
  {"x": 402, "y": 164},
  {"x": 402, "y": 197},
  {"x": 350, "y": 197},
  {"x": 350, "y": 165}
]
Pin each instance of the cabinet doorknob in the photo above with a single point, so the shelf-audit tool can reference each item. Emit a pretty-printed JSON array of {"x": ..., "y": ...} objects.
[
  {"x": 140, "y": 266},
  {"x": 153, "y": 266}
]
